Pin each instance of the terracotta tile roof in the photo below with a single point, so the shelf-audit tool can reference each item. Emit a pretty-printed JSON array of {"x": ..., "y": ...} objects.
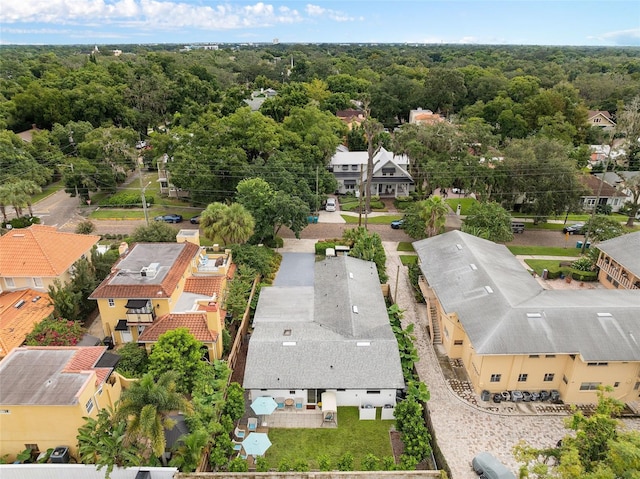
[
  {"x": 207, "y": 286},
  {"x": 84, "y": 359},
  {"x": 232, "y": 271},
  {"x": 41, "y": 251},
  {"x": 136, "y": 290},
  {"x": 196, "y": 323},
  {"x": 16, "y": 323}
]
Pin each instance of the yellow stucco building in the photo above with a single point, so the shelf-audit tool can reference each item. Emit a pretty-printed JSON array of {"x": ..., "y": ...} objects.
[
  {"x": 46, "y": 391},
  {"x": 510, "y": 333},
  {"x": 157, "y": 287}
]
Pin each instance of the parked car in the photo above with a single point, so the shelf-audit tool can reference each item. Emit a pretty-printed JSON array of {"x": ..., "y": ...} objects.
[
  {"x": 575, "y": 229},
  {"x": 330, "y": 204},
  {"x": 517, "y": 227},
  {"x": 397, "y": 224},
  {"x": 169, "y": 218},
  {"x": 488, "y": 467},
  {"x": 195, "y": 220}
]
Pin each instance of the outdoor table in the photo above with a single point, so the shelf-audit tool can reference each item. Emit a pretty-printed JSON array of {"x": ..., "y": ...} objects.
[{"x": 288, "y": 402}]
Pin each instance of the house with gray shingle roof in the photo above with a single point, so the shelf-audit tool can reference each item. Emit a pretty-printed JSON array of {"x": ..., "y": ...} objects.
[
  {"x": 619, "y": 262},
  {"x": 333, "y": 336},
  {"x": 513, "y": 334}
]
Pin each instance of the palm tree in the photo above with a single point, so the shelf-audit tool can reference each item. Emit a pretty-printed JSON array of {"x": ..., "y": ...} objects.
[
  {"x": 210, "y": 220},
  {"x": 434, "y": 213},
  {"x": 189, "y": 453},
  {"x": 237, "y": 225},
  {"x": 146, "y": 406},
  {"x": 5, "y": 200},
  {"x": 28, "y": 188}
]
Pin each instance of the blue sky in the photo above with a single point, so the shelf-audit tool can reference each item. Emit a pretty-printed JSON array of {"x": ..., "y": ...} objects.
[{"x": 539, "y": 22}]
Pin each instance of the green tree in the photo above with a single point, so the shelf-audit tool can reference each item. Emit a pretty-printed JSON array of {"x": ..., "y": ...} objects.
[
  {"x": 232, "y": 224},
  {"x": 103, "y": 441},
  {"x": 66, "y": 301},
  {"x": 146, "y": 406},
  {"x": 234, "y": 405},
  {"x": 177, "y": 351},
  {"x": 188, "y": 454},
  {"x": 133, "y": 362},
  {"x": 602, "y": 228},
  {"x": 489, "y": 221},
  {"x": 632, "y": 184},
  {"x": 434, "y": 212},
  {"x": 154, "y": 232},
  {"x": 367, "y": 246}
]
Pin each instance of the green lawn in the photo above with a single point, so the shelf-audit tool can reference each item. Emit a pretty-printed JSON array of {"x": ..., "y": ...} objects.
[
  {"x": 545, "y": 250},
  {"x": 46, "y": 191},
  {"x": 138, "y": 213},
  {"x": 408, "y": 259},
  {"x": 352, "y": 435},
  {"x": 405, "y": 246},
  {"x": 373, "y": 220},
  {"x": 465, "y": 204}
]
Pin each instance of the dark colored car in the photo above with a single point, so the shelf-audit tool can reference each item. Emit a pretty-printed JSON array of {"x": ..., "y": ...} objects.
[
  {"x": 397, "y": 224},
  {"x": 488, "y": 467},
  {"x": 169, "y": 218},
  {"x": 195, "y": 220},
  {"x": 574, "y": 229}
]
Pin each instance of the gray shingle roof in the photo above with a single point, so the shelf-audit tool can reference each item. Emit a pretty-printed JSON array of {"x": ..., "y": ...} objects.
[
  {"x": 625, "y": 250},
  {"x": 311, "y": 337},
  {"x": 505, "y": 311}
]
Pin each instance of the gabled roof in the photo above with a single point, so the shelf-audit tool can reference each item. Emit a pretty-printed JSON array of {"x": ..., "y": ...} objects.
[
  {"x": 170, "y": 260},
  {"x": 196, "y": 323},
  {"x": 362, "y": 157},
  {"x": 41, "y": 251},
  {"x": 17, "y": 322},
  {"x": 49, "y": 375},
  {"x": 335, "y": 334},
  {"x": 593, "y": 184},
  {"x": 625, "y": 250},
  {"x": 504, "y": 310},
  {"x": 600, "y": 113}
]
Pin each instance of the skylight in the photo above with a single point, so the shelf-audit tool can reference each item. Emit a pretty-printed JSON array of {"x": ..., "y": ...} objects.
[
  {"x": 355, "y": 309},
  {"x": 288, "y": 343},
  {"x": 488, "y": 289},
  {"x": 363, "y": 343},
  {"x": 473, "y": 266},
  {"x": 534, "y": 315}
]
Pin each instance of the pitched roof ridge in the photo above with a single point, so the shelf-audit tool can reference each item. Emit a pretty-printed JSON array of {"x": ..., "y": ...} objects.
[{"x": 43, "y": 250}]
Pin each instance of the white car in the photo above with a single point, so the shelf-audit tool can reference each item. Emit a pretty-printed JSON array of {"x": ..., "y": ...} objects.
[{"x": 330, "y": 205}]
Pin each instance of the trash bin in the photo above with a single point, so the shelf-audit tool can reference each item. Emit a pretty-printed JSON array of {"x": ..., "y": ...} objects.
[
  {"x": 545, "y": 273},
  {"x": 578, "y": 244},
  {"x": 485, "y": 395}
]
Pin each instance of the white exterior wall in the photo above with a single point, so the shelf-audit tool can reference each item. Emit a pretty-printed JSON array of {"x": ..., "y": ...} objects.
[{"x": 349, "y": 397}]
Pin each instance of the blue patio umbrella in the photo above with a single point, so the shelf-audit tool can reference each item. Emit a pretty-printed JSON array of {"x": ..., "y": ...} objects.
[
  {"x": 264, "y": 405},
  {"x": 256, "y": 444}
]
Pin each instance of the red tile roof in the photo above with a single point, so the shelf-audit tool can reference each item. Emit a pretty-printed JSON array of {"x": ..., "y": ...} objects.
[
  {"x": 41, "y": 251},
  {"x": 163, "y": 290},
  {"x": 84, "y": 359},
  {"x": 196, "y": 323},
  {"x": 204, "y": 285},
  {"x": 16, "y": 323},
  {"x": 232, "y": 271}
]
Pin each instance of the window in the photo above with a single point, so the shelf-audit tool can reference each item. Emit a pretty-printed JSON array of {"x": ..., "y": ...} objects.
[
  {"x": 496, "y": 378},
  {"x": 616, "y": 384},
  {"x": 89, "y": 406},
  {"x": 522, "y": 378},
  {"x": 534, "y": 356},
  {"x": 549, "y": 377},
  {"x": 637, "y": 386},
  {"x": 589, "y": 386},
  {"x": 99, "y": 392},
  {"x": 37, "y": 282},
  {"x": 10, "y": 282},
  {"x": 374, "y": 391},
  {"x": 292, "y": 393},
  {"x": 345, "y": 167},
  {"x": 549, "y": 355},
  {"x": 458, "y": 342},
  {"x": 112, "y": 302},
  {"x": 354, "y": 167},
  {"x": 564, "y": 379},
  {"x": 598, "y": 364}
]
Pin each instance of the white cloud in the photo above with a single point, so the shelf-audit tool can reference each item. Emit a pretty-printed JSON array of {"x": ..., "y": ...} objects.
[
  {"x": 619, "y": 37},
  {"x": 147, "y": 14},
  {"x": 336, "y": 15}
]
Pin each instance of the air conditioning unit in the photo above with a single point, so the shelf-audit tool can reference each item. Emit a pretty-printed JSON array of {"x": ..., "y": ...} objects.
[
  {"x": 60, "y": 455},
  {"x": 144, "y": 271}
]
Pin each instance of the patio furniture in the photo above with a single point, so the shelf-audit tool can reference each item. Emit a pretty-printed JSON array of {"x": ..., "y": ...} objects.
[
  {"x": 280, "y": 404},
  {"x": 237, "y": 445},
  {"x": 256, "y": 443},
  {"x": 252, "y": 424},
  {"x": 289, "y": 402},
  {"x": 299, "y": 404},
  {"x": 242, "y": 454},
  {"x": 263, "y": 406},
  {"x": 239, "y": 433}
]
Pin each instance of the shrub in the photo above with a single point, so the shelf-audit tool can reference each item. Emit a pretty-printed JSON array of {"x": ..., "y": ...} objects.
[
  {"x": 22, "y": 222},
  {"x": 134, "y": 362},
  {"x": 582, "y": 264},
  {"x": 262, "y": 465},
  {"x": 345, "y": 463},
  {"x": 126, "y": 199},
  {"x": 284, "y": 466},
  {"x": 55, "y": 332},
  {"x": 300, "y": 466},
  {"x": 370, "y": 462},
  {"x": 238, "y": 465},
  {"x": 388, "y": 463},
  {"x": 85, "y": 227},
  {"x": 324, "y": 463}
]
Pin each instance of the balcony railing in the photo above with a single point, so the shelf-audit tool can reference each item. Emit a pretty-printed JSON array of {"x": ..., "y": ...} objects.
[{"x": 621, "y": 277}]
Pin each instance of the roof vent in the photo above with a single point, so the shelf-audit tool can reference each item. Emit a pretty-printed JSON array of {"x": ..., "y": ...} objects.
[
  {"x": 605, "y": 315},
  {"x": 488, "y": 289},
  {"x": 534, "y": 315},
  {"x": 459, "y": 246},
  {"x": 355, "y": 309},
  {"x": 363, "y": 343},
  {"x": 150, "y": 270},
  {"x": 288, "y": 343},
  {"x": 19, "y": 304},
  {"x": 35, "y": 299},
  {"x": 473, "y": 266}
]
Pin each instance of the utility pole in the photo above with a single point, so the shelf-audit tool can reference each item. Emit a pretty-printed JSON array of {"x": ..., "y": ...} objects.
[
  {"x": 360, "y": 199},
  {"x": 75, "y": 183},
  {"x": 144, "y": 203}
]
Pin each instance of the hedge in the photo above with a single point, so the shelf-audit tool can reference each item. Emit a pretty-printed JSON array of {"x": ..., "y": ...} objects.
[{"x": 127, "y": 199}]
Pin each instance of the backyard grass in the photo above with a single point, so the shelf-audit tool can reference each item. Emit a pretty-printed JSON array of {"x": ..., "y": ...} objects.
[
  {"x": 545, "y": 250},
  {"x": 465, "y": 204},
  {"x": 408, "y": 259},
  {"x": 352, "y": 435},
  {"x": 373, "y": 220},
  {"x": 405, "y": 246}
]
